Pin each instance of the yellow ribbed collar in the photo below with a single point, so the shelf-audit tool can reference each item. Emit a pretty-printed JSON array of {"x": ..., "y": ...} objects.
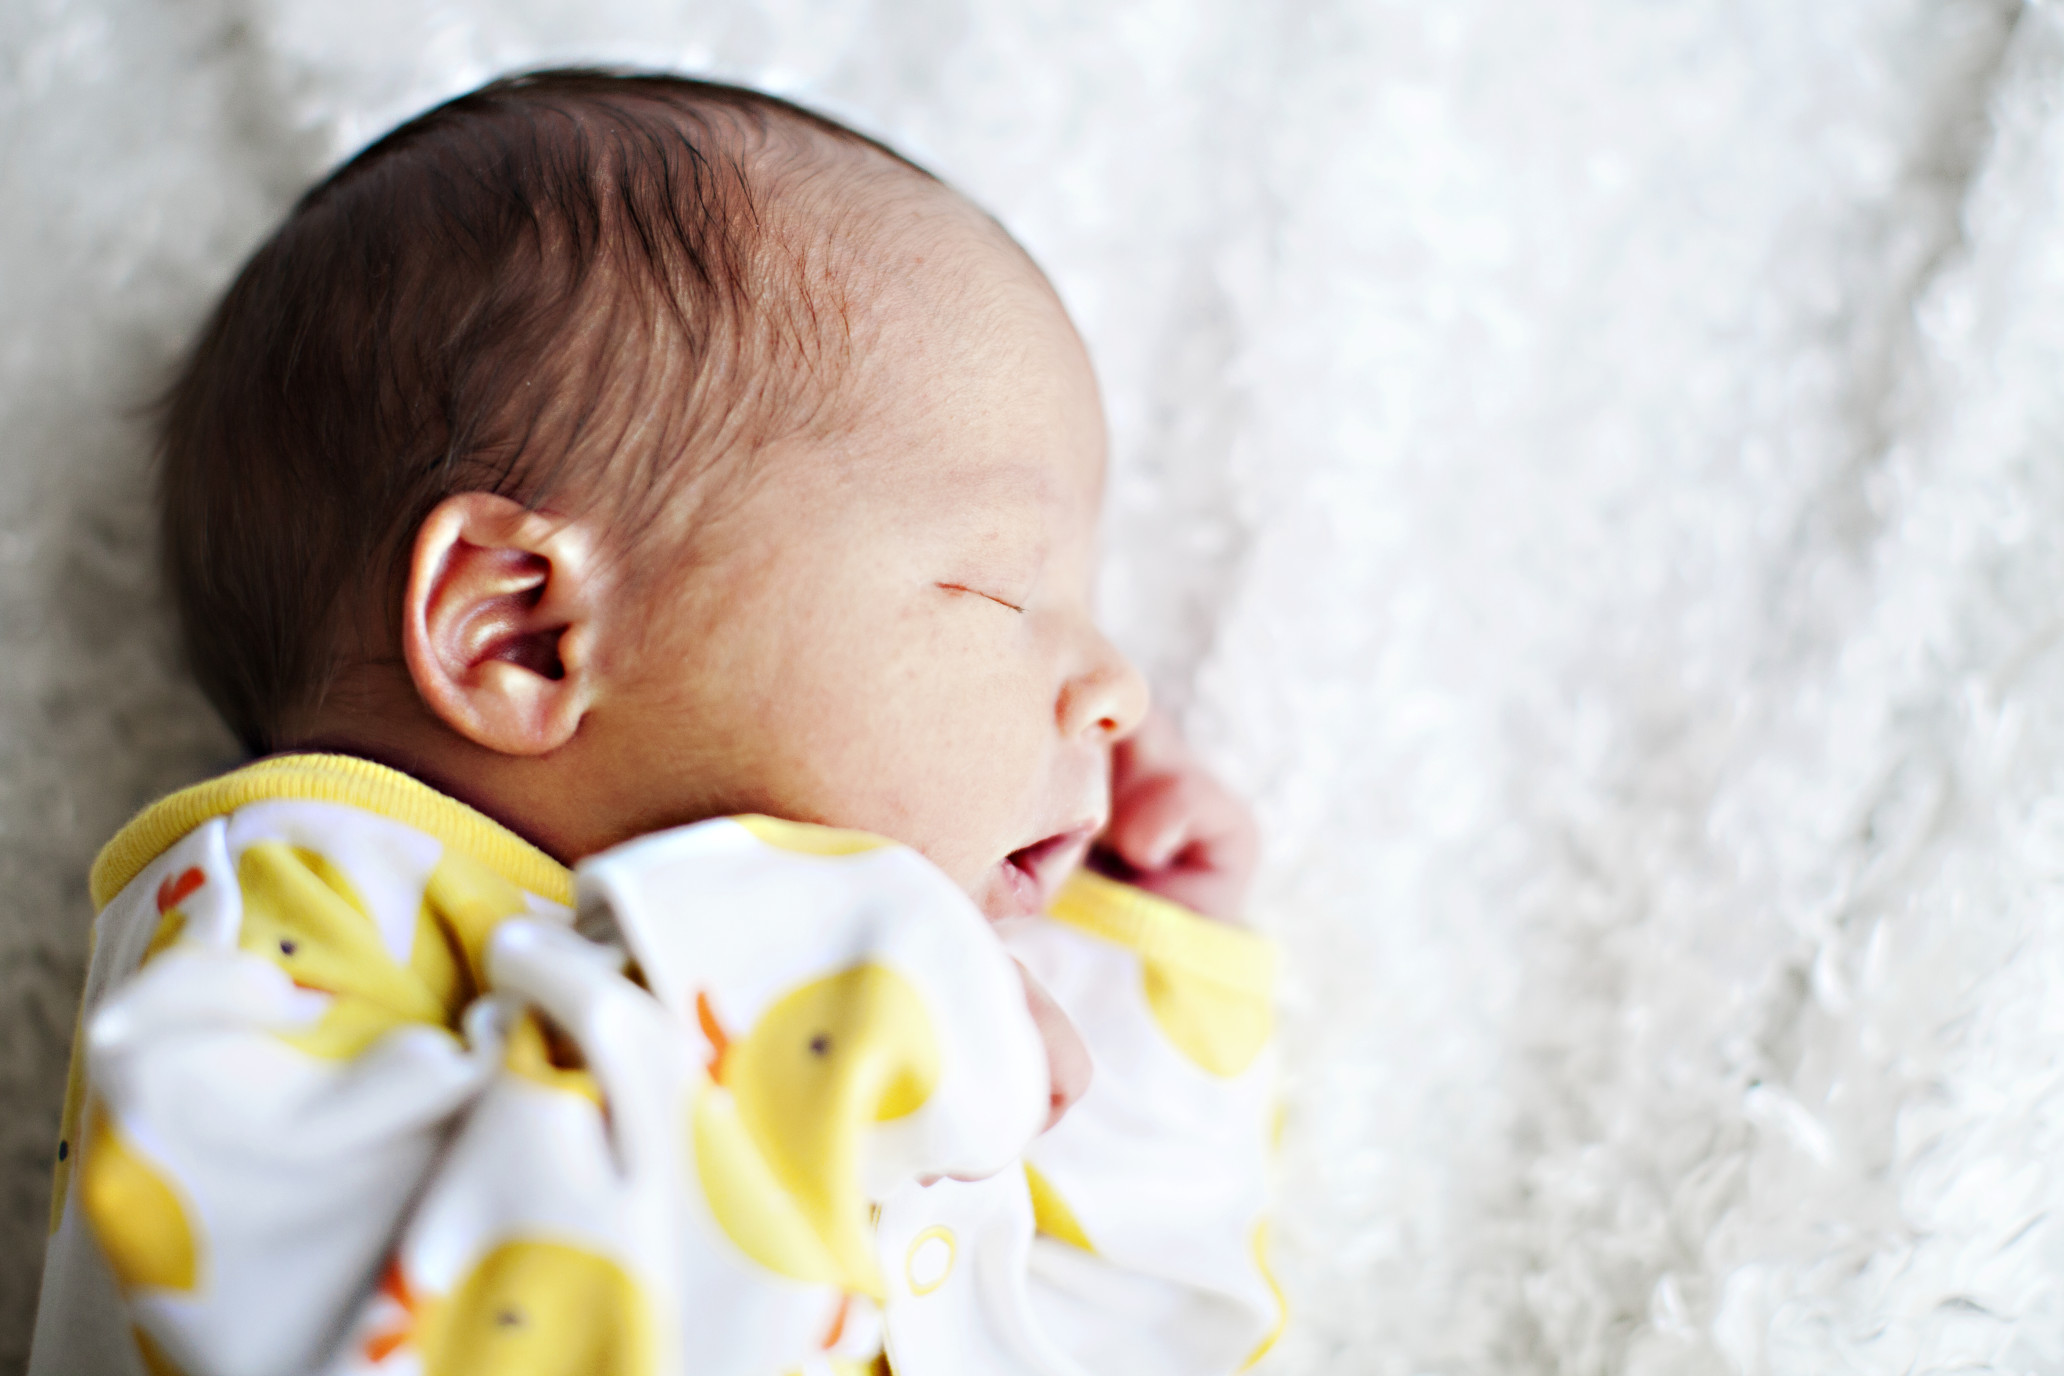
[{"x": 343, "y": 779}]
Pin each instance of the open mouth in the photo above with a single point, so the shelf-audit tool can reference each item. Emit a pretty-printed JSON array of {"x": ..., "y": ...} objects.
[{"x": 1034, "y": 874}]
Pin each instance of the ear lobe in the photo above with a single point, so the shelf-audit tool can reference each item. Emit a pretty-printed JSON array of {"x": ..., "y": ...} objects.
[{"x": 497, "y": 619}]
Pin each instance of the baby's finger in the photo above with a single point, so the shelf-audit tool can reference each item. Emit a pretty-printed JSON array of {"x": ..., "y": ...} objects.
[
  {"x": 1223, "y": 836},
  {"x": 1151, "y": 822}
]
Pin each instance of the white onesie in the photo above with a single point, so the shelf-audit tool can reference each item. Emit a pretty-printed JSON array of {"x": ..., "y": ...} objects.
[{"x": 367, "y": 1084}]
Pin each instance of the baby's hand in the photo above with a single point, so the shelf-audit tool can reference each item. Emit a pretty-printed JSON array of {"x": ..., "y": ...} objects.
[{"x": 1175, "y": 830}]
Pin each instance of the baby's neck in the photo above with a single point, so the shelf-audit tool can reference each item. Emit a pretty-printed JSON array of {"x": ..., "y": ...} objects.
[{"x": 378, "y": 716}]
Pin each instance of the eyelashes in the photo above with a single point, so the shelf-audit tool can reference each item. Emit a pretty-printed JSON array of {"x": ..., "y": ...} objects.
[{"x": 962, "y": 587}]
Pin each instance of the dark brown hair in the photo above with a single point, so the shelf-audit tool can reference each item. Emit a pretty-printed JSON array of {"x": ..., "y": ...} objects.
[{"x": 565, "y": 275}]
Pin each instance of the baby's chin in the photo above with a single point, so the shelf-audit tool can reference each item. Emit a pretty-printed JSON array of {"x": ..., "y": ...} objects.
[{"x": 1023, "y": 884}]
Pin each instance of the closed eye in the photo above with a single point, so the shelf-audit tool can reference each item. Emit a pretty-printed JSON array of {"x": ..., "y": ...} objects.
[{"x": 961, "y": 587}]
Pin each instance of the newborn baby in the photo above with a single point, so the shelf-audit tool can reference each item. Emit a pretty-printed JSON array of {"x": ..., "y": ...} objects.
[{"x": 592, "y": 472}]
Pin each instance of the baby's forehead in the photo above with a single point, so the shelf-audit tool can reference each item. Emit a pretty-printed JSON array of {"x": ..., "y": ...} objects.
[
  {"x": 883, "y": 258},
  {"x": 912, "y": 250},
  {"x": 914, "y": 330}
]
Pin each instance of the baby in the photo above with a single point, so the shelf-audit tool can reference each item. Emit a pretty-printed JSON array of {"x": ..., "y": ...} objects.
[{"x": 593, "y": 471}]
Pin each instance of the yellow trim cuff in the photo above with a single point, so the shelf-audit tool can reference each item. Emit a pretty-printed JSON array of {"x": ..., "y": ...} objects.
[
  {"x": 1167, "y": 934},
  {"x": 342, "y": 779}
]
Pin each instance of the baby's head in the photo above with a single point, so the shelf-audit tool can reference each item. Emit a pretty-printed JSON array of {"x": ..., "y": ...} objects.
[{"x": 619, "y": 452}]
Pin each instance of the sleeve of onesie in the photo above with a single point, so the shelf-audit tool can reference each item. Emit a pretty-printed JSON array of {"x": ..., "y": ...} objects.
[
  {"x": 1150, "y": 1196},
  {"x": 360, "y": 1112},
  {"x": 681, "y": 1174}
]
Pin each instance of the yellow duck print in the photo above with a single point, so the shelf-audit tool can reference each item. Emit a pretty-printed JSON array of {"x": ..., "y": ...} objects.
[
  {"x": 174, "y": 890},
  {"x": 136, "y": 1210},
  {"x": 529, "y": 1307},
  {"x": 778, "y": 1130}
]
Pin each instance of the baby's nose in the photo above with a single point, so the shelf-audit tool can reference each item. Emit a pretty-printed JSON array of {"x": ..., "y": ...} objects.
[{"x": 1108, "y": 699}]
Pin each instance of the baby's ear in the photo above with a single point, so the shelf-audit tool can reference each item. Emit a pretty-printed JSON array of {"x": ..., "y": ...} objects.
[{"x": 499, "y": 621}]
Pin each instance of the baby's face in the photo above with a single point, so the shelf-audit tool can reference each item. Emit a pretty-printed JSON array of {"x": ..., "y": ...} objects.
[{"x": 891, "y": 630}]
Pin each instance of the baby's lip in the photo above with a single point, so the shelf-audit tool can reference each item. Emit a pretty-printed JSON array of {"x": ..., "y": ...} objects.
[{"x": 1033, "y": 874}]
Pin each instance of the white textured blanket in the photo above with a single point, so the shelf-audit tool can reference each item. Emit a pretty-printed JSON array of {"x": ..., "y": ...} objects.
[{"x": 1592, "y": 470}]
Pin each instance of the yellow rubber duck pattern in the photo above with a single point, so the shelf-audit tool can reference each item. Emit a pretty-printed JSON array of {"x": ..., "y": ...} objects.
[
  {"x": 778, "y": 1131},
  {"x": 366, "y": 1085}
]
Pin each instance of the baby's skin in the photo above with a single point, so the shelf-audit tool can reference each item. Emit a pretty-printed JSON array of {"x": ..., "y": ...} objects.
[{"x": 886, "y": 628}]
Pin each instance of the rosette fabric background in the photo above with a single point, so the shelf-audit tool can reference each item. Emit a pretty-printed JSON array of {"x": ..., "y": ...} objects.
[{"x": 1593, "y": 472}]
